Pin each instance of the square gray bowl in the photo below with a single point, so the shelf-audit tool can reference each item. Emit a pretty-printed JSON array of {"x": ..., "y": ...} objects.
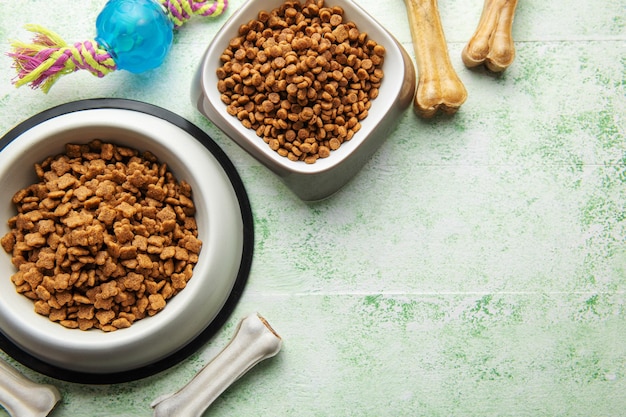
[{"x": 317, "y": 181}]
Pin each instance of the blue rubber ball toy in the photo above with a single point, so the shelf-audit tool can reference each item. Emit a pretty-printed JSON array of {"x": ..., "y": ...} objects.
[{"x": 137, "y": 33}]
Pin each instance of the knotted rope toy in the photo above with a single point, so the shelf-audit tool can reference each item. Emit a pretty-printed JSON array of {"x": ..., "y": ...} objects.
[{"x": 132, "y": 35}]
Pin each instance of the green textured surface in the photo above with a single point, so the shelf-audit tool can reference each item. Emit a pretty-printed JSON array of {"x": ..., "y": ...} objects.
[{"x": 476, "y": 266}]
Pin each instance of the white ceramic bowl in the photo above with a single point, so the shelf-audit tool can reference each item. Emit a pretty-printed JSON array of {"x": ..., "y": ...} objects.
[
  {"x": 223, "y": 222},
  {"x": 320, "y": 180}
]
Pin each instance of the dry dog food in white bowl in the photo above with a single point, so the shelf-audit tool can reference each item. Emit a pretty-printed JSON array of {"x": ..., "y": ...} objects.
[
  {"x": 131, "y": 326},
  {"x": 105, "y": 237}
]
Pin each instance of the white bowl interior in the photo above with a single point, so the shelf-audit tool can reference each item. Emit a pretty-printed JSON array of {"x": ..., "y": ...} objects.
[
  {"x": 189, "y": 312},
  {"x": 394, "y": 76}
]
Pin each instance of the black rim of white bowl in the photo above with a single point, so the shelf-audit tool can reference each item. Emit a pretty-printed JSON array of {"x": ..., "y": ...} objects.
[{"x": 187, "y": 350}]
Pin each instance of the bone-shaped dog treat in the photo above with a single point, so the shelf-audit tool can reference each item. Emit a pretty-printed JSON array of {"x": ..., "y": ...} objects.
[
  {"x": 254, "y": 340},
  {"x": 22, "y": 397},
  {"x": 438, "y": 87},
  {"x": 492, "y": 43}
]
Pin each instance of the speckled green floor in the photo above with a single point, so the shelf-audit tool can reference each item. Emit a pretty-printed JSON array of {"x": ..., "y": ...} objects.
[{"x": 476, "y": 266}]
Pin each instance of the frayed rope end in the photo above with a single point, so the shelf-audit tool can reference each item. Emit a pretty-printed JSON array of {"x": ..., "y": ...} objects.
[{"x": 42, "y": 62}]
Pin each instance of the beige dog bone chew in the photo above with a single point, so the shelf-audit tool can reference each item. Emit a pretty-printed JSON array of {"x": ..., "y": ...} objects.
[
  {"x": 492, "y": 43},
  {"x": 438, "y": 86},
  {"x": 254, "y": 340},
  {"x": 22, "y": 397}
]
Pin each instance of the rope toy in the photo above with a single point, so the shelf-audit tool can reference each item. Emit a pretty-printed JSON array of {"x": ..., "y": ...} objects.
[{"x": 132, "y": 35}]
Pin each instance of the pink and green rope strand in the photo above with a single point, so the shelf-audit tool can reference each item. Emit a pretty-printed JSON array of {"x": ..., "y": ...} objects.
[
  {"x": 180, "y": 11},
  {"x": 43, "y": 61}
]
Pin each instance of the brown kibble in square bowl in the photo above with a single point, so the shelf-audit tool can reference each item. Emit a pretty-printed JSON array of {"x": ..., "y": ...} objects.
[{"x": 322, "y": 62}]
